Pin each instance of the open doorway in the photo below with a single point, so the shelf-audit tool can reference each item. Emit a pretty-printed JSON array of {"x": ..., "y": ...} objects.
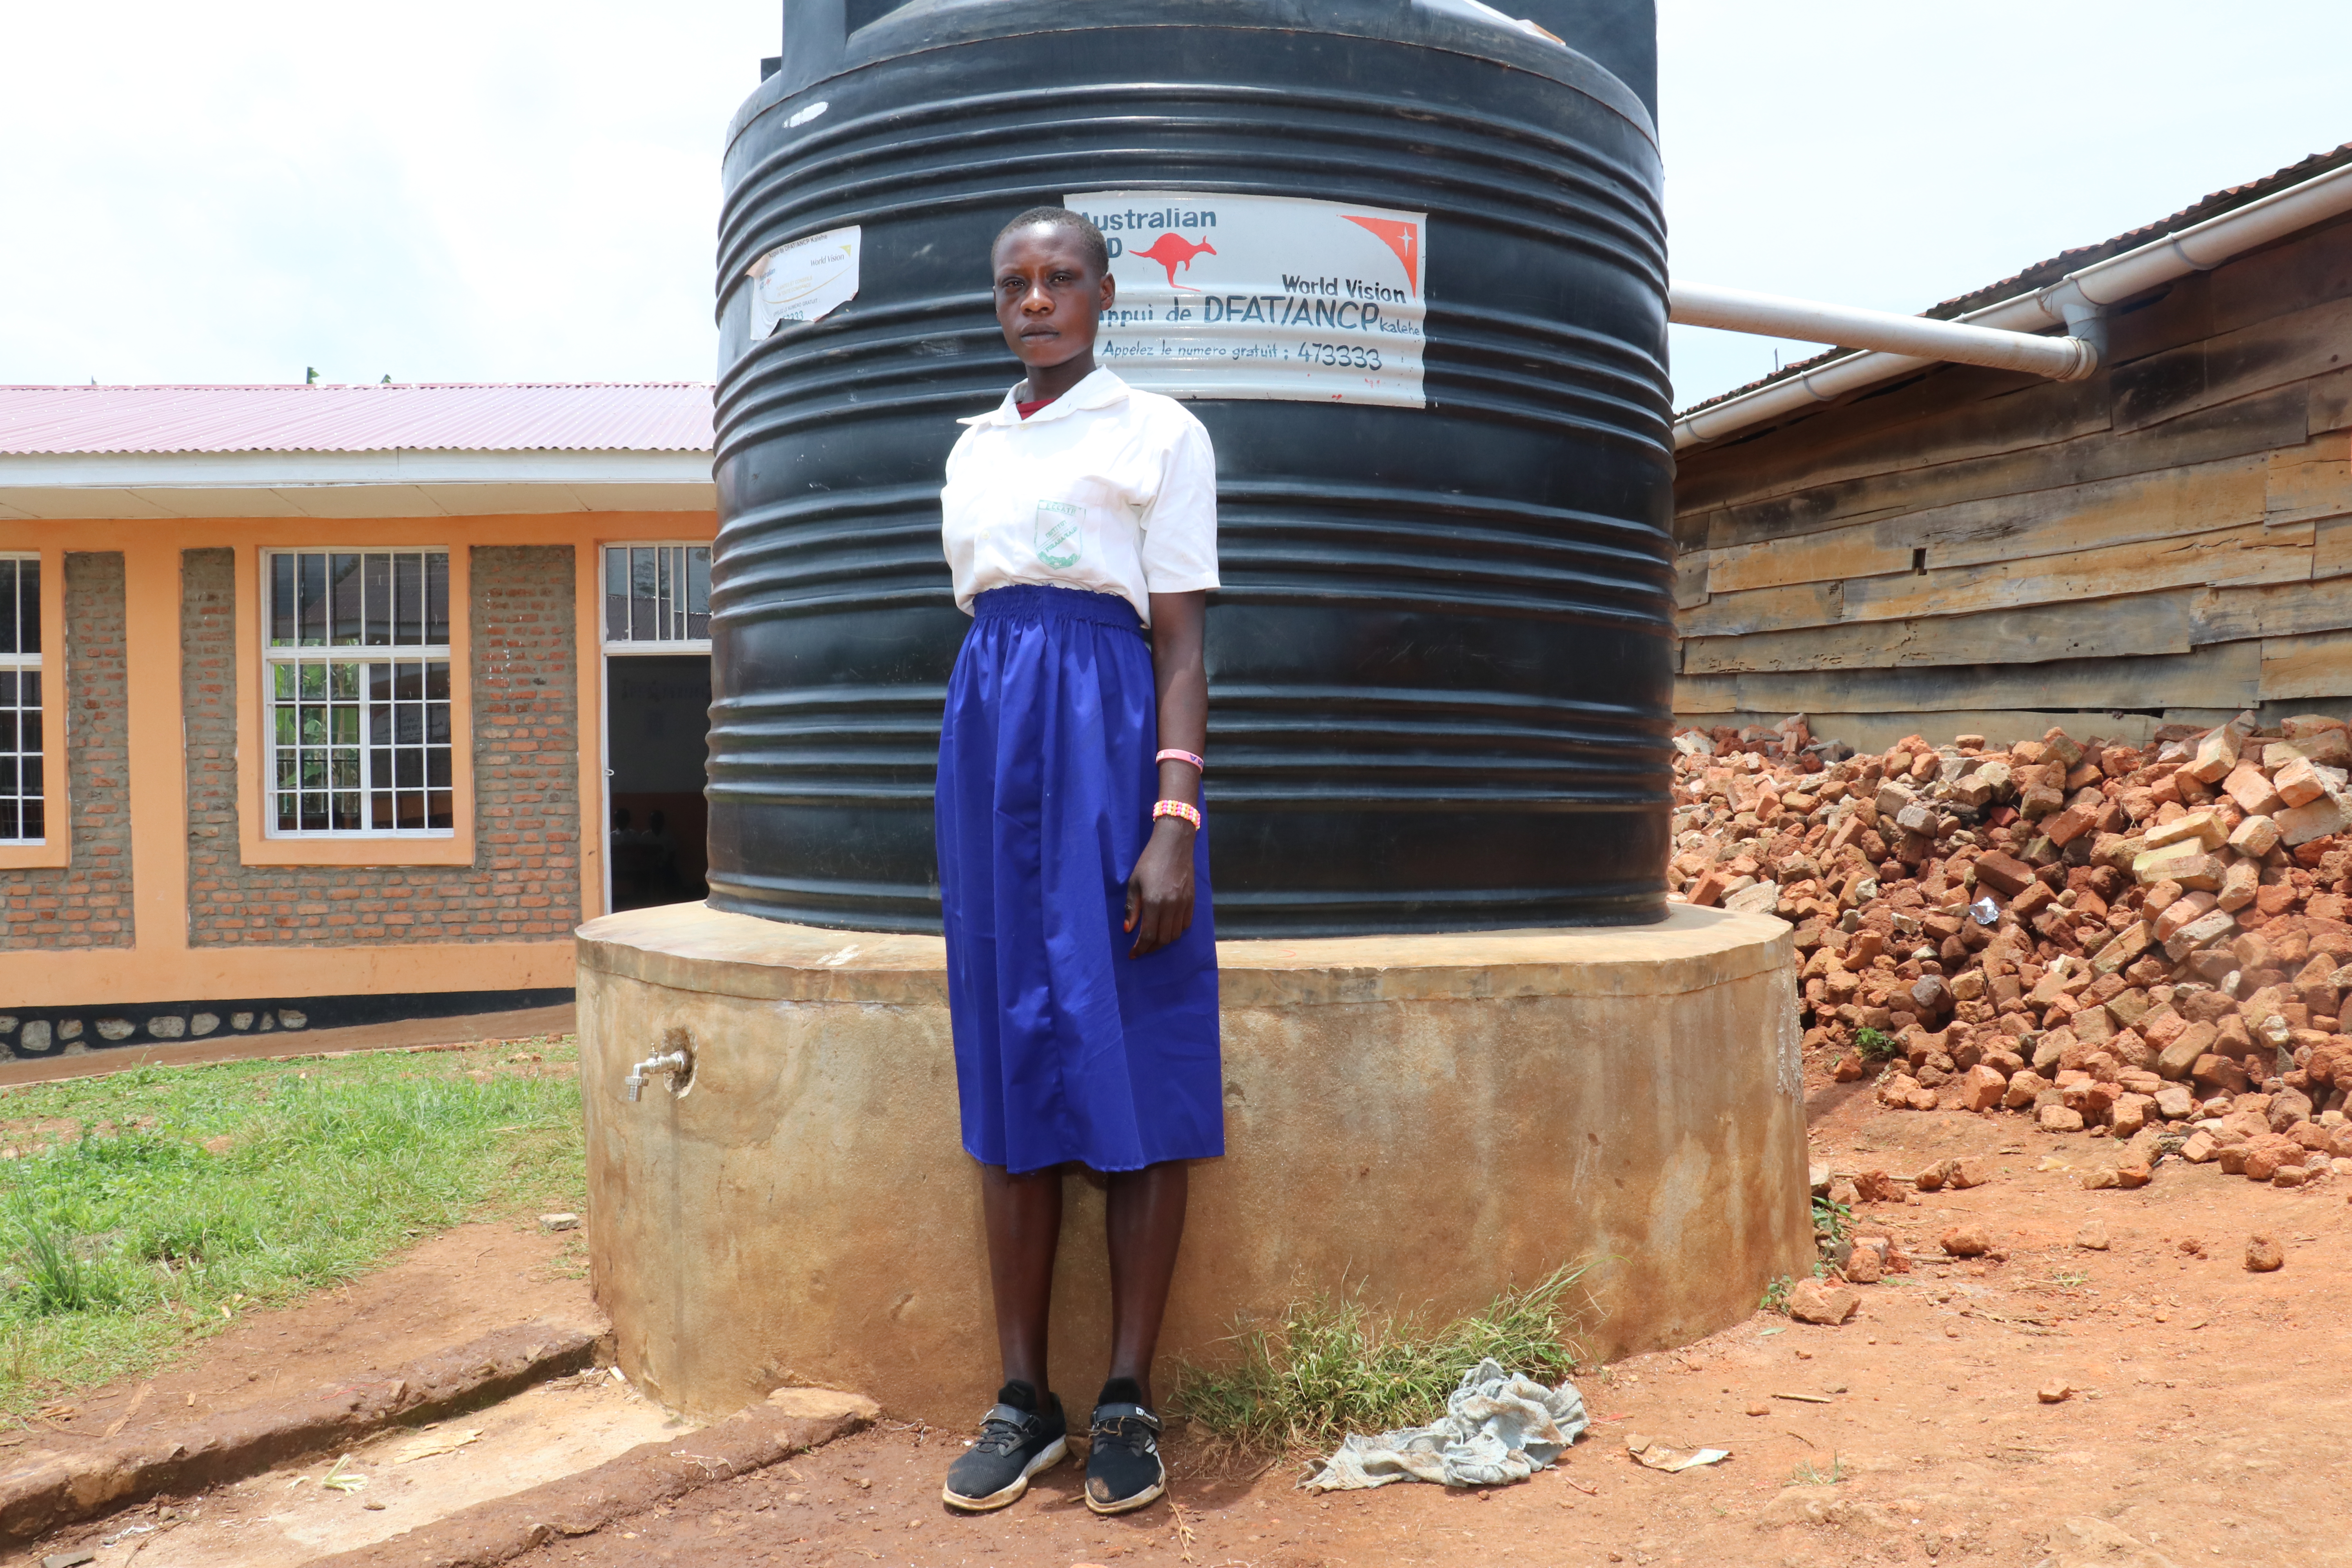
[
  {"x": 656, "y": 723},
  {"x": 656, "y": 719}
]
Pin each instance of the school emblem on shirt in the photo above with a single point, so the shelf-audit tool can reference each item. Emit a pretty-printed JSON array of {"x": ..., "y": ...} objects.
[{"x": 1059, "y": 532}]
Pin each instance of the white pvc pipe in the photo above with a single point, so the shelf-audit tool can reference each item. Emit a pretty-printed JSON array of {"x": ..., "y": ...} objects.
[
  {"x": 1847, "y": 326},
  {"x": 2197, "y": 248}
]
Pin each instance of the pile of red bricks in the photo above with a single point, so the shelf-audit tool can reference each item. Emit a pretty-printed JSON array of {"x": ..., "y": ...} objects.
[{"x": 2150, "y": 942}]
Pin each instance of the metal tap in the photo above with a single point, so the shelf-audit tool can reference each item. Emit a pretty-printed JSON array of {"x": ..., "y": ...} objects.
[{"x": 669, "y": 1062}]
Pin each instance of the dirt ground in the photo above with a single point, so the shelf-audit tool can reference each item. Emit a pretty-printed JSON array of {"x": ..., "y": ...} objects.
[
  {"x": 447, "y": 1290},
  {"x": 2208, "y": 1417}
]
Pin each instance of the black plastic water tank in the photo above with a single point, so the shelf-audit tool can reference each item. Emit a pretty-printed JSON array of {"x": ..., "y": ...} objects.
[{"x": 1439, "y": 683}]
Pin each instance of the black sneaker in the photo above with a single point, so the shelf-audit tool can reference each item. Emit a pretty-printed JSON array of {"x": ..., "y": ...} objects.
[
  {"x": 1123, "y": 1467},
  {"x": 1016, "y": 1441}
]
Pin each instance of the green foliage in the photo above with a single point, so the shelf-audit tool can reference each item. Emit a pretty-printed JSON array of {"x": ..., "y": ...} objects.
[
  {"x": 1875, "y": 1045},
  {"x": 1831, "y": 1220},
  {"x": 146, "y": 1208},
  {"x": 1811, "y": 1475},
  {"x": 1776, "y": 1297},
  {"x": 1332, "y": 1366},
  {"x": 56, "y": 1278}
]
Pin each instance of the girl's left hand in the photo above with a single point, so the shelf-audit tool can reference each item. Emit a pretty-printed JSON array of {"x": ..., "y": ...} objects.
[{"x": 1159, "y": 891}]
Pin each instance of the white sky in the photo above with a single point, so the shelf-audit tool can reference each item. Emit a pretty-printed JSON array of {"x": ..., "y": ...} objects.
[{"x": 504, "y": 190}]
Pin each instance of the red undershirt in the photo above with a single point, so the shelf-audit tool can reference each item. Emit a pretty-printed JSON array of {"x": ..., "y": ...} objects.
[{"x": 1026, "y": 409}]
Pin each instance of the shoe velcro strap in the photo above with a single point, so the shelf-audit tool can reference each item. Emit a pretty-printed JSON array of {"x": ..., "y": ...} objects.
[
  {"x": 1106, "y": 1414},
  {"x": 1010, "y": 1413}
]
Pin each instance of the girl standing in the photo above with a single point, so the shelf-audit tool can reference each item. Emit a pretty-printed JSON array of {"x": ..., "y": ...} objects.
[{"x": 1080, "y": 525}]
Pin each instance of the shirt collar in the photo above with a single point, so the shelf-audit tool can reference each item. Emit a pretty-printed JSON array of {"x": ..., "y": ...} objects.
[{"x": 1100, "y": 389}]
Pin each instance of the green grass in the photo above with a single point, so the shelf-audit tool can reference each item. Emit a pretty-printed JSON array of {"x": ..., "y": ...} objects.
[
  {"x": 1813, "y": 1474},
  {"x": 125, "y": 1237},
  {"x": 1332, "y": 1366},
  {"x": 1876, "y": 1045}
]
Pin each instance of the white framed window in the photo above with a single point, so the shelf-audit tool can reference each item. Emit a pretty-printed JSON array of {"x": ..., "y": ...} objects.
[
  {"x": 357, "y": 648},
  {"x": 24, "y": 797},
  {"x": 657, "y": 596}
]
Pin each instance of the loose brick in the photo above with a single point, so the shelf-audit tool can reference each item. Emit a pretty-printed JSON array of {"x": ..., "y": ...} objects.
[
  {"x": 2185, "y": 863},
  {"x": 2251, "y": 788},
  {"x": 2004, "y": 873},
  {"x": 2299, "y": 783},
  {"x": 2070, "y": 825},
  {"x": 2201, "y": 932},
  {"x": 2204, "y": 826},
  {"x": 2217, "y": 753},
  {"x": 2299, "y": 825}
]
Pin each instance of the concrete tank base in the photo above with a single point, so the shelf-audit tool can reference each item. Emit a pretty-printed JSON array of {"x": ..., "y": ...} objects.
[{"x": 1429, "y": 1118}]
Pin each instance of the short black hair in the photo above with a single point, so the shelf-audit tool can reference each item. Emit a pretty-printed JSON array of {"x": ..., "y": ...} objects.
[{"x": 1090, "y": 239}]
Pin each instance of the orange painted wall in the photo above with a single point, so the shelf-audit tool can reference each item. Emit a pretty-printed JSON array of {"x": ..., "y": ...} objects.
[{"x": 163, "y": 965}]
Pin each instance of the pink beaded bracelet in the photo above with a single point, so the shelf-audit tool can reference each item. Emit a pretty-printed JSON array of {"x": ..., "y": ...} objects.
[
  {"x": 1172, "y": 755},
  {"x": 1177, "y": 808}
]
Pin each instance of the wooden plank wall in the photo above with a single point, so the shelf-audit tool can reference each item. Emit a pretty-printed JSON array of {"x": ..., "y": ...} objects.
[{"x": 1973, "y": 549}]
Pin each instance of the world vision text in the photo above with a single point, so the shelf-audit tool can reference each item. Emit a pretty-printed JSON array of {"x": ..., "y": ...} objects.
[{"x": 1354, "y": 288}]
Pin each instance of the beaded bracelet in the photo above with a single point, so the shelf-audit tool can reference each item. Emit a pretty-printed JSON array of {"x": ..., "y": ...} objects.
[
  {"x": 1175, "y": 756},
  {"x": 1177, "y": 808}
]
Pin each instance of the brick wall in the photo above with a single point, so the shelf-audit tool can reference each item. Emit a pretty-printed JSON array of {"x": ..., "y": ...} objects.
[
  {"x": 524, "y": 882},
  {"x": 87, "y": 903}
]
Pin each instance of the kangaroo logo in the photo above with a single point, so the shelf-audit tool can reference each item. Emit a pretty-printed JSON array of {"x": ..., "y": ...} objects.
[{"x": 1173, "y": 250}]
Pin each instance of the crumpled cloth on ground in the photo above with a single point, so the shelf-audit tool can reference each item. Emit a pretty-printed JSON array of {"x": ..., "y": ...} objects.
[{"x": 1498, "y": 1427}]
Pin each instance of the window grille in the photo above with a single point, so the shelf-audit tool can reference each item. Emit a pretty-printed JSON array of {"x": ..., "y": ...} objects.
[
  {"x": 23, "y": 800},
  {"x": 357, "y": 648},
  {"x": 658, "y": 594}
]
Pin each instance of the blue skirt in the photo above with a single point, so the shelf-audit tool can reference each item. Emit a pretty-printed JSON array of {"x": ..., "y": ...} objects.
[{"x": 1067, "y": 1048}]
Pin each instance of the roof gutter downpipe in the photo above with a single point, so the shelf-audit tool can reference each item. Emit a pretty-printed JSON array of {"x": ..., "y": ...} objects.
[
  {"x": 2075, "y": 301},
  {"x": 1776, "y": 316}
]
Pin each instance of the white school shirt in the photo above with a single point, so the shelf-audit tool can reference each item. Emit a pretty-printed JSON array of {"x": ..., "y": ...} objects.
[{"x": 1105, "y": 489}]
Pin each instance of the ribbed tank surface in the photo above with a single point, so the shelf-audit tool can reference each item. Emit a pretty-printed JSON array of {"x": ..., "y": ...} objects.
[{"x": 1439, "y": 667}]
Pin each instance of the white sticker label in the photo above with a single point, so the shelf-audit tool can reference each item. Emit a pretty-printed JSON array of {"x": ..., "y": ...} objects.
[
  {"x": 1226, "y": 296},
  {"x": 804, "y": 281}
]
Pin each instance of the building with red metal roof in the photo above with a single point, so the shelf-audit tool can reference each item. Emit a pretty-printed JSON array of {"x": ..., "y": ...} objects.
[
  {"x": 322, "y": 704},
  {"x": 457, "y": 416}
]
